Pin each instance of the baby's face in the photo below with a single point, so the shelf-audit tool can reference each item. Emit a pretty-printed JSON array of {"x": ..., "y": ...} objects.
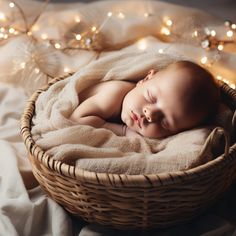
[{"x": 158, "y": 106}]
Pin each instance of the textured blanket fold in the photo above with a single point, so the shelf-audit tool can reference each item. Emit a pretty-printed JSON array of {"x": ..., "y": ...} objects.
[{"x": 101, "y": 150}]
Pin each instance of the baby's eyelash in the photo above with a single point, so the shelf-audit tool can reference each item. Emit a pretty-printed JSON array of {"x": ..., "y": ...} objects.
[
  {"x": 150, "y": 97},
  {"x": 164, "y": 123}
]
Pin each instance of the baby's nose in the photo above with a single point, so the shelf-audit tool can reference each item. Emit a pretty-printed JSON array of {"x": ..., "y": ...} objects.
[{"x": 151, "y": 114}]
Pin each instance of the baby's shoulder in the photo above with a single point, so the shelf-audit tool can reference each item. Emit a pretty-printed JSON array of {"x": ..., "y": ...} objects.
[{"x": 116, "y": 86}]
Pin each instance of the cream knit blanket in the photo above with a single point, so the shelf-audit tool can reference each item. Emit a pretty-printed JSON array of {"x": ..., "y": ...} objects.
[{"x": 101, "y": 150}]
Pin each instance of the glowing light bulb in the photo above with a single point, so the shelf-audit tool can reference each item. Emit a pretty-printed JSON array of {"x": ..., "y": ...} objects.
[
  {"x": 2, "y": 29},
  {"x": 44, "y": 36},
  {"x": 233, "y": 26},
  {"x": 229, "y": 33},
  {"x": 66, "y": 69},
  {"x": 57, "y": 45},
  {"x": 22, "y": 65},
  {"x": 94, "y": 29},
  {"x": 165, "y": 31},
  {"x": 121, "y": 15},
  {"x": 77, "y": 19},
  {"x": 169, "y": 22},
  {"x": 78, "y": 36},
  {"x": 5, "y": 36},
  {"x": 2, "y": 16},
  {"x": 220, "y": 47},
  {"x": 204, "y": 60},
  {"x": 232, "y": 86},
  {"x": 195, "y": 33},
  {"x": 109, "y": 14},
  {"x": 1, "y": 35},
  {"x": 11, "y": 4},
  {"x": 11, "y": 30},
  {"x": 160, "y": 51},
  {"x": 225, "y": 81},
  {"x": 213, "y": 33}
]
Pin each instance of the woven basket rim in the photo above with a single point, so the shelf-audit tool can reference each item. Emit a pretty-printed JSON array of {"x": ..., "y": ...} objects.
[{"x": 141, "y": 180}]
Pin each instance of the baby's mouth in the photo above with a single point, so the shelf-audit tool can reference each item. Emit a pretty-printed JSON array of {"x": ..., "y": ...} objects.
[{"x": 135, "y": 118}]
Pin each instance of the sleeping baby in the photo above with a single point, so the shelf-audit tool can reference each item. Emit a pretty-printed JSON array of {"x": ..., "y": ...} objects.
[{"x": 179, "y": 97}]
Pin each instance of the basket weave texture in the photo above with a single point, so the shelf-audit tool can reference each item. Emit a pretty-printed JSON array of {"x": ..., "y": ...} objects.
[{"x": 131, "y": 201}]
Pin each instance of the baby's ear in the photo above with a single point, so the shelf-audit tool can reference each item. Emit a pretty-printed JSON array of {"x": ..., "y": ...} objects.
[{"x": 148, "y": 76}]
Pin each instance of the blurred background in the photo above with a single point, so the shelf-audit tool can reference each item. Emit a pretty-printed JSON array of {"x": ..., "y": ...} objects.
[{"x": 225, "y": 9}]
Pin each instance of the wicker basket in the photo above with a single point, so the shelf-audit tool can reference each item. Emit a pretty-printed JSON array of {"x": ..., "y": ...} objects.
[{"x": 131, "y": 201}]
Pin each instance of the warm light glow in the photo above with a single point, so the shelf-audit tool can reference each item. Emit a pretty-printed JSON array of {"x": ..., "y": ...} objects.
[
  {"x": 57, "y": 45},
  {"x": 204, "y": 60},
  {"x": 11, "y": 30},
  {"x": 109, "y": 14},
  {"x": 142, "y": 45},
  {"x": 169, "y": 22},
  {"x": 225, "y": 81},
  {"x": 146, "y": 14},
  {"x": 29, "y": 33},
  {"x": 213, "y": 33},
  {"x": 44, "y": 36},
  {"x": 5, "y": 36},
  {"x": 66, "y": 69},
  {"x": 160, "y": 51},
  {"x": 11, "y": 4},
  {"x": 195, "y": 33},
  {"x": 22, "y": 65},
  {"x": 1, "y": 35},
  {"x": 2, "y": 29},
  {"x": 219, "y": 77},
  {"x": 229, "y": 33},
  {"x": 165, "y": 31},
  {"x": 77, "y": 19},
  {"x": 78, "y": 36},
  {"x": 94, "y": 28},
  {"x": 233, "y": 26},
  {"x": 232, "y": 86},
  {"x": 121, "y": 15},
  {"x": 220, "y": 47},
  {"x": 2, "y": 16},
  {"x": 35, "y": 28}
]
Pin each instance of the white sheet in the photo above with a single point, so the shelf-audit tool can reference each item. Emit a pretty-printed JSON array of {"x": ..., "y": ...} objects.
[{"x": 24, "y": 208}]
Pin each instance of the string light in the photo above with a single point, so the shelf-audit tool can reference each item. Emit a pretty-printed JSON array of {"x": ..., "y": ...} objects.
[
  {"x": 94, "y": 29},
  {"x": 2, "y": 16},
  {"x": 169, "y": 22},
  {"x": 44, "y": 36},
  {"x": 57, "y": 45},
  {"x": 66, "y": 69},
  {"x": 165, "y": 31},
  {"x": 121, "y": 15},
  {"x": 11, "y": 4},
  {"x": 204, "y": 60},
  {"x": 91, "y": 37},
  {"x": 78, "y": 36},
  {"x": 109, "y": 14},
  {"x": 229, "y": 33},
  {"x": 77, "y": 19}
]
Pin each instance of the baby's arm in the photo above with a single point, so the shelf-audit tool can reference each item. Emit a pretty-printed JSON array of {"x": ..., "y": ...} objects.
[{"x": 98, "y": 122}]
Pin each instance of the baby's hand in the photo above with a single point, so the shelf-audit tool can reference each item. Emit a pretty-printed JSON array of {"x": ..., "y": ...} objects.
[{"x": 130, "y": 133}]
